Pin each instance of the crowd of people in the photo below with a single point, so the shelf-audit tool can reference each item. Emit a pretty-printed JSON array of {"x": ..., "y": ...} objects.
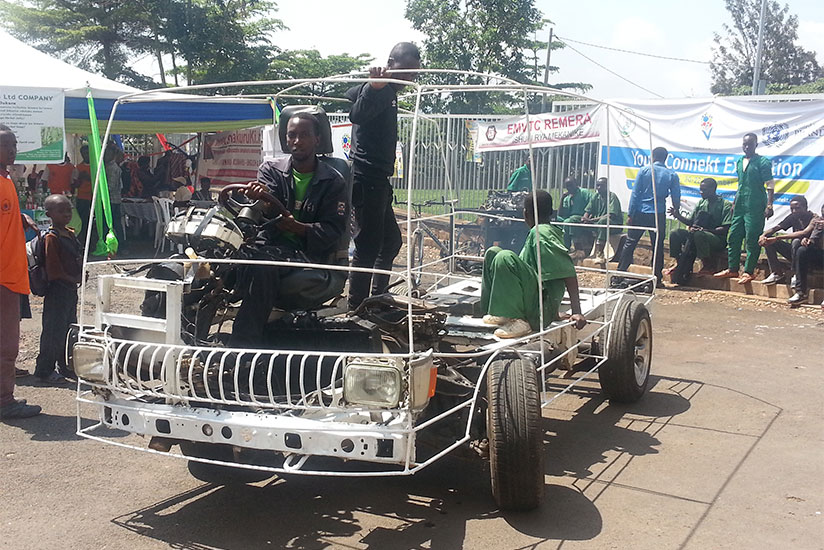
[{"x": 306, "y": 198}]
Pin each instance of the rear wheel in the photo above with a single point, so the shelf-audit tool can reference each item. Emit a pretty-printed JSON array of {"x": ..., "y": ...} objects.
[
  {"x": 625, "y": 374},
  {"x": 514, "y": 432}
]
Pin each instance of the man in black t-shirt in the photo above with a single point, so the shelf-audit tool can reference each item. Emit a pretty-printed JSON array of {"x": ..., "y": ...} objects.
[
  {"x": 374, "y": 116},
  {"x": 775, "y": 244}
]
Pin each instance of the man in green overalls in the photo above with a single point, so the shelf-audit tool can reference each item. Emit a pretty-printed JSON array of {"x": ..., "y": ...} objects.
[
  {"x": 509, "y": 291},
  {"x": 605, "y": 205},
  {"x": 753, "y": 203},
  {"x": 573, "y": 205},
  {"x": 706, "y": 235}
]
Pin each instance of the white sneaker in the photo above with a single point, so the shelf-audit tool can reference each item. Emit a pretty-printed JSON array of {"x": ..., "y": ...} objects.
[
  {"x": 796, "y": 299},
  {"x": 773, "y": 279},
  {"x": 495, "y": 320},
  {"x": 514, "y": 329}
]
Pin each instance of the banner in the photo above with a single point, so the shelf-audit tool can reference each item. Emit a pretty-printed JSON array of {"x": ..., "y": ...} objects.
[
  {"x": 35, "y": 115},
  {"x": 703, "y": 137},
  {"x": 540, "y": 130},
  {"x": 231, "y": 157}
]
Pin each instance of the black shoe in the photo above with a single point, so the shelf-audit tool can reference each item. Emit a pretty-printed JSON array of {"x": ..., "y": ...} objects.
[
  {"x": 53, "y": 379},
  {"x": 18, "y": 409}
]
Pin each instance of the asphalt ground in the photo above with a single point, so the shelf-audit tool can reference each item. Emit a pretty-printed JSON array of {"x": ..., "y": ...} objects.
[{"x": 725, "y": 451}]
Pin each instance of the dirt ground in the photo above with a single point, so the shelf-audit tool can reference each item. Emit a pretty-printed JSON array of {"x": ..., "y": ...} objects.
[{"x": 724, "y": 452}]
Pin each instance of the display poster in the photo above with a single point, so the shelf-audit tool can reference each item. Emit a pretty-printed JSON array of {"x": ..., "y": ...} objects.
[
  {"x": 704, "y": 136},
  {"x": 231, "y": 157},
  {"x": 539, "y": 130},
  {"x": 35, "y": 115}
]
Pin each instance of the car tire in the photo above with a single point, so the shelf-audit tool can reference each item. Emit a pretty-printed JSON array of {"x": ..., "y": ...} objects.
[
  {"x": 624, "y": 376},
  {"x": 218, "y": 473},
  {"x": 516, "y": 449}
]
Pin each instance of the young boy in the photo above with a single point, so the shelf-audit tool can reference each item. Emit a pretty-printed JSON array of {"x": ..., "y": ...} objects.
[
  {"x": 64, "y": 261},
  {"x": 14, "y": 280},
  {"x": 509, "y": 293}
]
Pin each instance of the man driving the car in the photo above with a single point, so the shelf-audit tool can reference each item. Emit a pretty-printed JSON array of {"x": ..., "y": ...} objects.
[{"x": 305, "y": 200}]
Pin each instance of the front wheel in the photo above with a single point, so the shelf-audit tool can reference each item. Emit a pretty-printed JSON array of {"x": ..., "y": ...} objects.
[
  {"x": 218, "y": 473},
  {"x": 625, "y": 374},
  {"x": 514, "y": 430},
  {"x": 417, "y": 256}
]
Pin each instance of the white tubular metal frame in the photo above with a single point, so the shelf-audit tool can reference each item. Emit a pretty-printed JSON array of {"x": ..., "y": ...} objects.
[{"x": 255, "y": 398}]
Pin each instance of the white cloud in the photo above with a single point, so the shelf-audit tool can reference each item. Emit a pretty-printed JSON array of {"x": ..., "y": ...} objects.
[{"x": 811, "y": 37}]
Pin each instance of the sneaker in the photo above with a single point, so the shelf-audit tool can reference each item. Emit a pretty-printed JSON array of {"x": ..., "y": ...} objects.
[
  {"x": 18, "y": 409},
  {"x": 495, "y": 320},
  {"x": 514, "y": 329},
  {"x": 52, "y": 379},
  {"x": 797, "y": 298},
  {"x": 774, "y": 279},
  {"x": 793, "y": 282},
  {"x": 20, "y": 373}
]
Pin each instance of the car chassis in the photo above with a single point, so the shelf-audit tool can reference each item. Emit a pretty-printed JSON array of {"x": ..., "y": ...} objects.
[{"x": 387, "y": 390}]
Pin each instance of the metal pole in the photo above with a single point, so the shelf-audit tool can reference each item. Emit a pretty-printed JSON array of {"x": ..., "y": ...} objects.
[
  {"x": 546, "y": 69},
  {"x": 756, "y": 75}
]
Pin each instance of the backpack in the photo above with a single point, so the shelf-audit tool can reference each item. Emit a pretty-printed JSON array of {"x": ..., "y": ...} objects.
[{"x": 38, "y": 279}]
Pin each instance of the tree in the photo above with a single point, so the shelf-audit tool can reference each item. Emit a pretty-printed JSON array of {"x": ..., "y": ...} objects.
[
  {"x": 782, "y": 63},
  {"x": 298, "y": 64},
  {"x": 205, "y": 41},
  {"x": 484, "y": 36}
]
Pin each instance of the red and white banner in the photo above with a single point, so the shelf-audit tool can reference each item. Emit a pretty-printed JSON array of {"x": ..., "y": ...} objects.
[
  {"x": 540, "y": 130},
  {"x": 231, "y": 157}
]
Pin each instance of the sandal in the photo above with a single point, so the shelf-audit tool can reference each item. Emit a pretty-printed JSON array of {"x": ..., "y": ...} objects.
[
  {"x": 746, "y": 278},
  {"x": 726, "y": 274}
]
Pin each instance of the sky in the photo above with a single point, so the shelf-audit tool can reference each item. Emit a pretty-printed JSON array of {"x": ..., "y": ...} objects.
[{"x": 662, "y": 27}]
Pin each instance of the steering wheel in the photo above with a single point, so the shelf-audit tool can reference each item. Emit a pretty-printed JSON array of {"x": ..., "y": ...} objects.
[{"x": 249, "y": 212}]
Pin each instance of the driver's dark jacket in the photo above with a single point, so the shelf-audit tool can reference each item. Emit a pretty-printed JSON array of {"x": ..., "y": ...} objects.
[{"x": 324, "y": 207}]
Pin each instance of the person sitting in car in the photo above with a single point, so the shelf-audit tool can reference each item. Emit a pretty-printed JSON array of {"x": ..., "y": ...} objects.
[
  {"x": 306, "y": 199},
  {"x": 509, "y": 289}
]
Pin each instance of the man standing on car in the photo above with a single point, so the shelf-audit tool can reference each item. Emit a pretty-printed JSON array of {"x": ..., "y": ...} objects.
[{"x": 374, "y": 116}]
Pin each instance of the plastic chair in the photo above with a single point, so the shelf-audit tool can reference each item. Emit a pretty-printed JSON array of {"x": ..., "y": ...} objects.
[{"x": 163, "y": 209}]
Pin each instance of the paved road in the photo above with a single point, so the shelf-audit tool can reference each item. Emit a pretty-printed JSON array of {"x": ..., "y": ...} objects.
[{"x": 725, "y": 452}]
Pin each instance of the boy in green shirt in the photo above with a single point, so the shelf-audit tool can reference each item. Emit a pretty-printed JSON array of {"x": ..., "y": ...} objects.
[
  {"x": 605, "y": 205},
  {"x": 509, "y": 292},
  {"x": 573, "y": 205},
  {"x": 707, "y": 234}
]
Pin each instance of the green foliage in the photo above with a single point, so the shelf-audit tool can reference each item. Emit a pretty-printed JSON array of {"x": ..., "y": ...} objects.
[
  {"x": 484, "y": 36},
  {"x": 299, "y": 64},
  {"x": 784, "y": 64},
  {"x": 816, "y": 87}
]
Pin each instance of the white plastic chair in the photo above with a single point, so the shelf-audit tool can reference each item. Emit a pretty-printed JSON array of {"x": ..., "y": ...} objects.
[{"x": 163, "y": 209}]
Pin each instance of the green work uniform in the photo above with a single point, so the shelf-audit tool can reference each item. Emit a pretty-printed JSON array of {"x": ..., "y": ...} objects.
[
  {"x": 572, "y": 211},
  {"x": 748, "y": 211},
  {"x": 598, "y": 207},
  {"x": 707, "y": 243},
  {"x": 301, "y": 187},
  {"x": 510, "y": 281},
  {"x": 520, "y": 180}
]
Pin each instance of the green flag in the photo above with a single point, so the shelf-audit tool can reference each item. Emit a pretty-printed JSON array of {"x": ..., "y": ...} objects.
[{"x": 102, "y": 206}]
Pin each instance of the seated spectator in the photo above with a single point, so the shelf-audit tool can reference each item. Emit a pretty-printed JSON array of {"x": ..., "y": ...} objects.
[
  {"x": 573, "y": 204},
  {"x": 600, "y": 209},
  {"x": 521, "y": 178},
  {"x": 204, "y": 193},
  {"x": 182, "y": 191},
  {"x": 706, "y": 235},
  {"x": 809, "y": 254},
  {"x": 509, "y": 290},
  {"x": 774, "y": 244}
]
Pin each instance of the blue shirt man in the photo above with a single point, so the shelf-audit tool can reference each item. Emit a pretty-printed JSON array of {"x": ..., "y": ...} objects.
[
  {"x": 666, "y": 184},
  {"x": 642, "y": 210}
]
